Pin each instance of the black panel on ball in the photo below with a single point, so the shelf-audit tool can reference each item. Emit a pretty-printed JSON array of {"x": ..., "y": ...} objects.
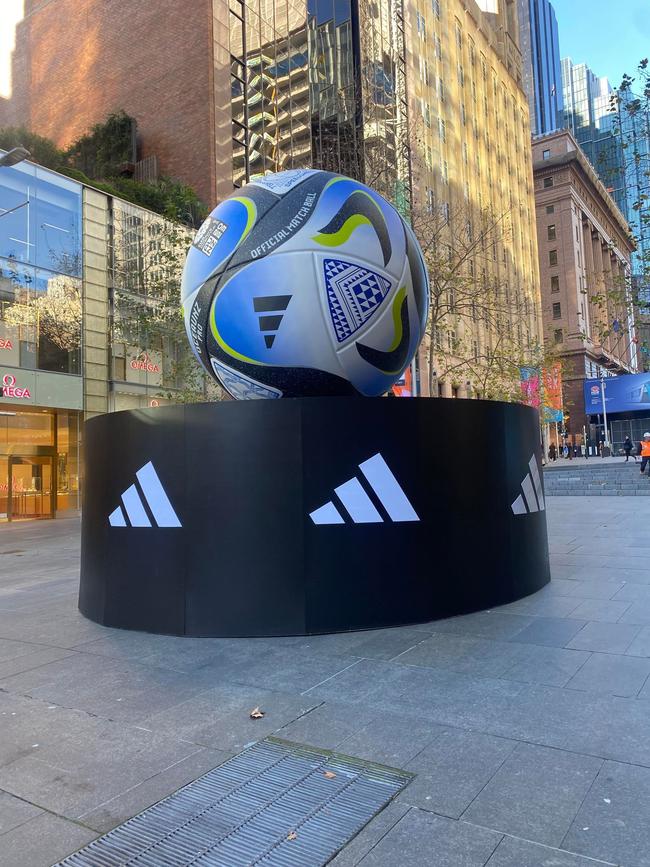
[{"x": 426, "y": 531}]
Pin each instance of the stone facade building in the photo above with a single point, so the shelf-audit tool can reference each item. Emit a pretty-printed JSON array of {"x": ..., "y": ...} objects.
[
  {"x": 471, "y": 162},
  {"x": 585, "y": 249}
]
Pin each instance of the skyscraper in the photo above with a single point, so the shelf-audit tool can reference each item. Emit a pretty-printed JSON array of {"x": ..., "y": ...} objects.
[
  {"x": 610, "y": 136},
  {"x": 539, "y": 44}
]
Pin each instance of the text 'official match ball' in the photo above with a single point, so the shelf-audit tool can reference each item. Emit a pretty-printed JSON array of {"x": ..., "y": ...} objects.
[{"x": 305, "y": 283}]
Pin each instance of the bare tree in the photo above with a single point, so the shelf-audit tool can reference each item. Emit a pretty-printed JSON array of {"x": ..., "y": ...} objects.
[
  {"x": 479, "y": 326},
  {"x": 148, "y": 255}
]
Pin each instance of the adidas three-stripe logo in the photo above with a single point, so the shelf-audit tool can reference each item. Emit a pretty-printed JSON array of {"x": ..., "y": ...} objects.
[
  {"x": 272, "y": 308},
  {"x": 155, "y": 497},
  {"x": 531, "y": 498},
  {"x": 358, "y": 504}
]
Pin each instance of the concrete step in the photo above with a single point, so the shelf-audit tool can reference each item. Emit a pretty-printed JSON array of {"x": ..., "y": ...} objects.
[{"x": 594, "y": 480}]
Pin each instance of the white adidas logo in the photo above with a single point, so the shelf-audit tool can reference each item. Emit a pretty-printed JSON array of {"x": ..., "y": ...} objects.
[
  {"x": 358, "y": 504},
  {"x": 155, "y": 497},
  {"x": 532, "y": 498}
]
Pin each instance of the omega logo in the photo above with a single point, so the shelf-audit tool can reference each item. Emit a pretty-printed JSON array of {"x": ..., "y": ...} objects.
[
  {"x": 10, "y": 389},
  {"x": 143, "y": 362}
]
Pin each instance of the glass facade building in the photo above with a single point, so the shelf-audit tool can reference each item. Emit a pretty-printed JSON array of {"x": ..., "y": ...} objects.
[
  {"x": 150, "y": 354},
  {"x": 322, "y": 85},
  {"x": 40, "y": 342},
  {"x": 40, "y": 270},
  {"x": 89, "y": 322},
  {"x": 542, "y": 76},
  {"x": 610, "y": 136}
]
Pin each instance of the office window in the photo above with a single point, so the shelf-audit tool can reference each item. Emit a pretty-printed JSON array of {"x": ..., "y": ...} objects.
[
  {"x": 558, "y": 336},
  {"x": 550, "y": 232},
  {"x": 435, "y": 5},
  {"x": 41, "y": 219},
  {"x": 552, "y": 257},
  {"x": 446, "y": 212},
  {"x": 463, "y": 116},
  {"x": 555, "y": 283},
  {"x": 548, "y": 182},
  {"x": 550, "y": 209},
  {"x": 546, "y": 155},
  {"x": 557, "y": 311},
  {"x": 442, "y": 129}
]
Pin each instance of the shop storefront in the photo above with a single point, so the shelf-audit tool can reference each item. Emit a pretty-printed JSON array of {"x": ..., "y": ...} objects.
[
  {"x": 39, "y": 462},
  {"x": 41, "y": 387},
  {"x": 89, "y": 323}
]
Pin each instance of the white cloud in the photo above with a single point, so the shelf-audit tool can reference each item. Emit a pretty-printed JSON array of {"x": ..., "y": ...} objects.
[{"x": 11, "y": 12}]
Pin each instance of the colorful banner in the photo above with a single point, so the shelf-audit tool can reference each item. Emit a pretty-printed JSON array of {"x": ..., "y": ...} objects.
[
  {"x": 530, "y": 386},
  {"x": 552, "y": 379},
  {"x": 403, "y": 387}
]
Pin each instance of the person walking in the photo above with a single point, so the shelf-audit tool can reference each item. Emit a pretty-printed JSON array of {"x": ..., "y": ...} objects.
[
  {"x": 552, "y": 452},
  {"x": 627, "y": 448},
  {"x": 644, "y": 451}
]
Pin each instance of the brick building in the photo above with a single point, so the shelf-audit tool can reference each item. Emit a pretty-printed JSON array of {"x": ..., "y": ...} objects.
[
  {"x": 75, "y": 61},
  {"x": 585, "y": 249}
]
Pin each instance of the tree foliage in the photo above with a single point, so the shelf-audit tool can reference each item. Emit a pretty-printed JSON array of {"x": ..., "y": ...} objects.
[
  {"x": 147, "y": 263},
  {"x": 478, "y": 333},
  {"x": 42, "y": 150},
  {"x": 98, "y": 159}
]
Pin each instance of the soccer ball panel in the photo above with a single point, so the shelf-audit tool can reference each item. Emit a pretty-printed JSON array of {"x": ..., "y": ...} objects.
[
  {"x": 260, "y": 314},
  {"x": 351, "y": 219},
  {"x": 305, "y": 283}
]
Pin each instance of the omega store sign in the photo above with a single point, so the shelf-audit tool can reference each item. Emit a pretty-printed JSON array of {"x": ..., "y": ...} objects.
[{"x": 28, "y": 388}]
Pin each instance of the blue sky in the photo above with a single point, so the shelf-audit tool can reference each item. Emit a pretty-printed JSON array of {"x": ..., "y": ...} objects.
[{"x": 610, "y": 37}]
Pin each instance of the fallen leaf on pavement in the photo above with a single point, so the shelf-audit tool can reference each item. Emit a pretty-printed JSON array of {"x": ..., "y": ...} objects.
[
  {"x": 256, "y": 713},
  {"x": 292, "y": 836},
  {"x": 329, "y": 775}
]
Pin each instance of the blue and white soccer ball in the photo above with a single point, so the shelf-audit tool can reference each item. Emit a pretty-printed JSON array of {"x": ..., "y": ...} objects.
[{"x": 305, "y": 283}]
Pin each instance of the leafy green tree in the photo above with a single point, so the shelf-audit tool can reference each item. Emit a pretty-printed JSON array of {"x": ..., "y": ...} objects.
[{"x": 42, "y": 150}]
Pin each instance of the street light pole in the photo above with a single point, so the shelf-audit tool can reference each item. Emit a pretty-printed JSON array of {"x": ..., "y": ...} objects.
[
  {"x": 14, "y": 156},
  {"x": 602, "y": 395}
]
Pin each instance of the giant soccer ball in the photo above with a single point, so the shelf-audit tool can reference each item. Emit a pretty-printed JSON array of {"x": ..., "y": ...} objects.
[{"x": 305, "y": 283}]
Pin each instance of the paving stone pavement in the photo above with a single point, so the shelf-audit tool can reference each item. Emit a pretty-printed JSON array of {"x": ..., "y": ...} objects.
[{"x": 527, "y": 727}]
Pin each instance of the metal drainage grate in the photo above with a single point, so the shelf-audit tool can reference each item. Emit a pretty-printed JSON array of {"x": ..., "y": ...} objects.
[{"x": 275, "y": 804}]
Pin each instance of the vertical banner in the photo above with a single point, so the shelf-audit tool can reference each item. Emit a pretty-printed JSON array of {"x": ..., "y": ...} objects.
[
  {"x": 530, "y": 386},
  {"x": 552, "y": 382}
]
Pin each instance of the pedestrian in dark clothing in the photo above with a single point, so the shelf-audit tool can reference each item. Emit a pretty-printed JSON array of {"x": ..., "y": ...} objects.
[
  {"x": 552, "y": 452},
  {"x": 627, "y": 448}
]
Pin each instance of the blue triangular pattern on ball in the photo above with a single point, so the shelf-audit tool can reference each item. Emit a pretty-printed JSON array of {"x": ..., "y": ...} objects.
[{"x": 354, "y": 294}]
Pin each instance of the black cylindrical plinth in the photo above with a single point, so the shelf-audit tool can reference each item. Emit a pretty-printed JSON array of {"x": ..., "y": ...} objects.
[{"x": 310, "y": 515}]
